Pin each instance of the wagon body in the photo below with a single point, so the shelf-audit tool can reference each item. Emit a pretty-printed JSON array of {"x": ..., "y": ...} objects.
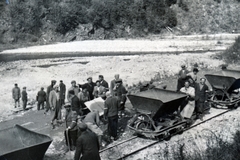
[
  {"x": 225, "y": 90},
  {"x": 157, "y": 102},
  {"x": 19, "y": 143},
  {"x": 153, "y": 109},
  {"x": 231, "y": 73}
]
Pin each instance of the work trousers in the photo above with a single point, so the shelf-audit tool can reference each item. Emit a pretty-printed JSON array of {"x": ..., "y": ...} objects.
[{"x": 113, "y": 126}]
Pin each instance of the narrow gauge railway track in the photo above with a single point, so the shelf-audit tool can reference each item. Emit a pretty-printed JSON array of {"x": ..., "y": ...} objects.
[{"x": 115, "y": 150}]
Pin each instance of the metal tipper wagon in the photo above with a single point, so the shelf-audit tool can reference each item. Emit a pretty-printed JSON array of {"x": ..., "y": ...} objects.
[
  {"x": 225, "y": 91},
  {"x": 19, "y": 143},
  {"x": 231, "y": 73},
  {"x": 157, "y": 113}
]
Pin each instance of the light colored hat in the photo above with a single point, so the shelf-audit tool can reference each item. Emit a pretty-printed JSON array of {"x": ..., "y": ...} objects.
[{"x": 55, "y": 86}]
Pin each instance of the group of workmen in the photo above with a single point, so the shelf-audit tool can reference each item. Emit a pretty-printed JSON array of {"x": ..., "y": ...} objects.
[
  {"x": 83, "y": 133},
  {"x": 79, "y": 120},
  {"x": 197, "y": 93}
]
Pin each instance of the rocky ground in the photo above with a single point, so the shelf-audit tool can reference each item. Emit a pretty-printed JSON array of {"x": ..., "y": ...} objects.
[{"x": 133, "y": 69}]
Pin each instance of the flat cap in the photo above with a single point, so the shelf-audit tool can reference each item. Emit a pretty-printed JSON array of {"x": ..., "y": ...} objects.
[
  {"x": 100, "y": 76},
  {"x": 89, "y": 78},
  {"x": 53, "y": 81},
  {"x": 73, "y": 81},
  {"x": 24, "y": 87},
  {"x": 183, "y": 65},
  {"x": 119, "y": 80},
  {"x": 82, "y": 126}
]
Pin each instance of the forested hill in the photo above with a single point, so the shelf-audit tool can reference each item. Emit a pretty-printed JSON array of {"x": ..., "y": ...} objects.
[{"x": 47, "y": 21}]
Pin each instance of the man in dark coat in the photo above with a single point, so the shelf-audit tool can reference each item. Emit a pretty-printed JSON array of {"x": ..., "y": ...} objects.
[
  {"x": 62, "y": 92},
  {"x": 16, "y": 94},
  {"x": 49, "y": 89},
  {"x": 103, "y": 82},
  {"x": 90, "y": 86},
  {"x": 75, "y": 103},
  {"x": 120, "y": 91},
  {"x": 111, "y": 114},
  {"x": 41, "y": 98},
  {"x": 200, "y": 97},
  {"x": 87, "y": 145},
  {"x": 71, "y": 131},
  {"x": 182, "y": 77},
  {"x": 24, "y": 98}
]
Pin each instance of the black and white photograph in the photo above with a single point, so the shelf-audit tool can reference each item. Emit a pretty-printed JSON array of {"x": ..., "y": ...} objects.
[{"x": 119, "y": 79}]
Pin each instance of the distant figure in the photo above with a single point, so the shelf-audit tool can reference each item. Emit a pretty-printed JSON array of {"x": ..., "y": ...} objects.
[
  {"x": 113, "y": 83},
  {"x": 71, "y": 131},
  {"x": 189, "y": 104},
  {"x": 90, "y": 86},
  {"x": 93, "y": 122},
  {"x": 103, "y": 82},
  {"x": 87, "y": 145},
  {"x": 54, "y": 102},
  {"x": 24, "y": 98},
  {"x": 41, "y": 98},
  {"x": 111, "y": 114},
  {"x": 62, "y": 92},
  {"x": 193, "y": 74},
  {"x": 75, "y": 103},
  {"x": 99, "y": 91},
  {"x": 16, "y": 95},
  {"x": 200, "y": 97},
  {"x": 74, "y": 88},
  {"x": 49, "y": 89},
  {"x": 182, "y": 77}
]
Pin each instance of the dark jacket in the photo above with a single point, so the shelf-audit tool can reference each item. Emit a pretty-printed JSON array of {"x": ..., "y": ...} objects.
[
  {"x": 200, "y": 95},
  {"x": 24, "y": 96},
  {"x": 111, "y": 106},
  {"x": 71, "y": 120},
  {"x": 49, "y": 89},
  {"x": 90, "y": 87},
  {"x": 75, "y": 103},
  {"x": 41, "y": 96},
  {"x": 87, "y": 146},
  {"x": 62, "y": 92},
  {"x": 121, "y": 92},
  {"x": 104, "y": 84}
]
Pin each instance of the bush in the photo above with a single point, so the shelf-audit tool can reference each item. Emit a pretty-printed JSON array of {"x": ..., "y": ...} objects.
[{"x": 232, "y": 54}]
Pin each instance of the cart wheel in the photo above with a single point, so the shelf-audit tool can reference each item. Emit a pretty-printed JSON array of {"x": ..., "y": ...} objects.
[{"x": 143, "y": 125}]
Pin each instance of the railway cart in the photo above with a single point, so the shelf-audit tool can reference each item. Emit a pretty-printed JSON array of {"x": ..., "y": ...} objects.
[
  {"x": 231, "y": 73},
  {"x": 225, "y": 92},
  {"x": 19, "y": 143},
  {"x": 157, "y": 113}
]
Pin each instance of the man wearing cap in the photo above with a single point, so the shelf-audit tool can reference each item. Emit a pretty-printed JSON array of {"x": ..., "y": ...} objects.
[
  {"x": 71, "y": 131},
  {"x": 90, "y": 86},
  {"x": 87, "y": 145},
  {"x": 49, "y": 89},
  {"x": 62, "y": 92},
  {"x": 103, "y": 82},
  {"x": 182, "y": 77},
  {"x": 24, "y": 98},
  {"x": 41, "y": 98},
  {"x": 99, "y": 91},
  {"x": 113, "y": 83},
  {"x": 74, "y": 88},
  {"x": 201, "y": 90},
  {"x": 16, "y": 95},
  {"x": 111, "y": 114},
  {"x": 120, "y": 91},
  {"x": 75, "y": 103},
  {"x": 54, "y": 102}
]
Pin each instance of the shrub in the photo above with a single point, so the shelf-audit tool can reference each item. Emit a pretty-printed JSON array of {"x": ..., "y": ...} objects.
[{"x": 232, "y": 54}]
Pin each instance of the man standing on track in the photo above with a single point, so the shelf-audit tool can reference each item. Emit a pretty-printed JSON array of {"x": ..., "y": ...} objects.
[
  {"x": 111, "y": 114},
  {"x": 62, "y": 92},
  {"x": 49, "y": 89},
  {"x": 24, "y": 98},
  {"x": 41, "y": 98},
  {"x": 74, "y": 88},
  {"x": 16, "y": 94}
]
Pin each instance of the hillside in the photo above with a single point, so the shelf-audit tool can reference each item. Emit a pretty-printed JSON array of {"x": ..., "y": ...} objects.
[{"x": 36, "y": 22}]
